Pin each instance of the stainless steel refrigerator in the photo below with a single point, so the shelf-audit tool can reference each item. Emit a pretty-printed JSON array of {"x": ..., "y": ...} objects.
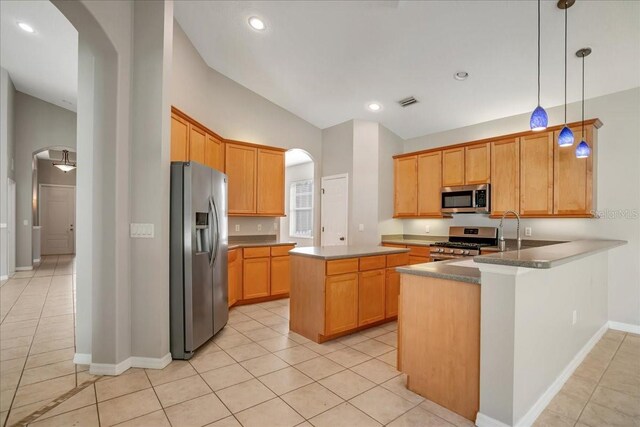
[{"x": 198, "y": 269}]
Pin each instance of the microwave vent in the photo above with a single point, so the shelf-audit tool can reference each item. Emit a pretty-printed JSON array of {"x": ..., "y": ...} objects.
[{"x": 407, "y": 101}]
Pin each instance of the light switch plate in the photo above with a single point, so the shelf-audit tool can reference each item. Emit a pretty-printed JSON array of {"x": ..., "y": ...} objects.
[
  {"x": 427, "y": 229},
  {"x": 527, "y": 231},
  {"x": 259, "y": 227},
  {"x": 237, "y": 227},
  {"x": 141, "y": 231}
]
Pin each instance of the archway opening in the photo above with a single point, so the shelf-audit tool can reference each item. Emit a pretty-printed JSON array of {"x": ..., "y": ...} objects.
[{"x": 299, "y": 223}]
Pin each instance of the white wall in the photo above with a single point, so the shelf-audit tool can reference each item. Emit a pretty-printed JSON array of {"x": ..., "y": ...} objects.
[
  {"x": 389, "y": 145},
  {"x": 7, "y": 155},
  {"x": 38, "y": 125},
  {"x": 364, "y": 198},
  {"x": 292, "y": 174},
  {"x": 235, "y": 112},
  {"x": 618, "y": 188}
]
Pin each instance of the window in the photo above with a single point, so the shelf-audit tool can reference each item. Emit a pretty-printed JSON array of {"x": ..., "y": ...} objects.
[{"x": 301, "y": 209}]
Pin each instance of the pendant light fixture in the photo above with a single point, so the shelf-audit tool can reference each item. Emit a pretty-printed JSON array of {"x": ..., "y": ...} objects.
[
  {"x": 65, "y": 165},
  {"x": 539, "y": 118},
  {"x": 582, "y": 150},
  {"x": 565, "y": 138}
]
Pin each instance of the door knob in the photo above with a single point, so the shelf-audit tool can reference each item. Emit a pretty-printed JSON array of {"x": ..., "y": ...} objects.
[{"x": 342, "y": 238}]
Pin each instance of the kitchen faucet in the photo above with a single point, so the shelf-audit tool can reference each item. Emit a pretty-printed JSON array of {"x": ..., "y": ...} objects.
[{"x": 501, "y": 243}]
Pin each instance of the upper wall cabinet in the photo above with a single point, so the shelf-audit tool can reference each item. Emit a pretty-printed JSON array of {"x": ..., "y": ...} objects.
[
  {"x": 505, "y": 176},
  {"x": 429, "y": 184},
  {"x": 197, "y": 141},
  {"x": 214, "y": 152},
  {"x": 573, "y": 177},
  {"x": 270, "y": 183},
  {"x": 453, "y": 167},
  {"x": 405, "y": 178},
  {"x": 179, "y": 139},
  {"x": 190, "y": 141},
  {"x": 536, "y": 174},
  {"x": 477, "y": 164}
]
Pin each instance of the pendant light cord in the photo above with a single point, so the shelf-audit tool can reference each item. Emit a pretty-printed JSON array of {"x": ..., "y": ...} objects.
[
  {"x": 538, "y": 52},
  {"x": 565, "y": 62},
  {"x": 583, "y": 137}
]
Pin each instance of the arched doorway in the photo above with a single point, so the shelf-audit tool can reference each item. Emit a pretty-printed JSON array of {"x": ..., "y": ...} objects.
[{"x": 299, "y": 224}]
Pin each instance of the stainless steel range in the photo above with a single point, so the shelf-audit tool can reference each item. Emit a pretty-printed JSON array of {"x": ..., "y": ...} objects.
[{"x": 464, "y": 242}]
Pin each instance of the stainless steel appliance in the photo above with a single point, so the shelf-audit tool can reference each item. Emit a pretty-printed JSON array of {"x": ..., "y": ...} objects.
[
  {"x": 198, "y": 252},
  {"x": 464, "y": 242},
  {"x": 466, "y": 199}
]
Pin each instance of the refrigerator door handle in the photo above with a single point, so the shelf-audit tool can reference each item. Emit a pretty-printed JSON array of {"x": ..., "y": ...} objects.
[{"x": 213, "y": 251}]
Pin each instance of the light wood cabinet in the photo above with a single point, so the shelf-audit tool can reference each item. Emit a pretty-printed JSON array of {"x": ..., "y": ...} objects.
[
  {"x": 429, "y": 184},
  {"x": 453, "y": 167},
  {"x": 573, "y": 177},
  {"x": 405, "y": 178},
  {"x": 280, "y": 275},
  {"x": 179, "y": 139},
  {"x": 477, "y": 164},
  {"x": 505, "y": 176},
  {"x": 341, "y": 303},
  {"x": 256, "y": 277},
  {"x": 234, "y": 276},
  {"x": 536, "y": 174},
  {"x": 270, "y": 183},
  {"x": 371, "y": 296},
  {"x": 392, "y": 292},
  {"x": 241, "y": 165},
  {"x": 214, "y": 153},
  {"x": 197, "y": 139}
]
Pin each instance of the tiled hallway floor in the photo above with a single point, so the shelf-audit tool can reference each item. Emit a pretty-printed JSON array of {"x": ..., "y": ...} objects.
[{"x": 257, "y": 373}]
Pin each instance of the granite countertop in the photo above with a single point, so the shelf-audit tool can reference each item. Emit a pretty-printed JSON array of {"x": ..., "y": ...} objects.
[
  {"x": 512, "y": 244},
  {"x": 399, "y": 239},
  {"x": 549, "y": 256},
  {"x": 256, "y": 241},
  {"x": 444, "y": 270},
  {"x": 339, "y": 252}
]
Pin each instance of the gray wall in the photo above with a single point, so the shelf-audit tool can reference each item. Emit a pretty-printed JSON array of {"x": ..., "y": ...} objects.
[
  {"x": 38, "y": 125},
  {"x": 49, "y": 174},
  {"x": 293, "y": 174},
  {"x": 389, "y": 145},
  {"x": 618, "y": 180},
  {"x": 364, "y": 198},
  {"x": 7, "y": 155},
  {"x": 235, "y": 112}
]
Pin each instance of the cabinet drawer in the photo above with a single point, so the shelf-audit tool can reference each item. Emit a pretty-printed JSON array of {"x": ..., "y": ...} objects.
[
  {"x": 263, "y": 251},
  {"x": 340, "y": 266},
  {"x": 418, "y": 250},
  {"x": 232, "y": 255},
  {"x": 372, "y": 262},
  {"x": 281, "y": 250},
  {"x": 397, "y": 259},
  {"x": 394, "y": 245},
  {"x": 418, "y": 259}
]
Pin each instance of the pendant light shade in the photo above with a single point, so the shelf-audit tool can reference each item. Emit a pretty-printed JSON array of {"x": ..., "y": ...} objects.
[
  {"x": 565, "y": 138},
  {"x": 583, "y": 150},
  {"x": 66, "y": 165},
  {"x": 539, "y": 118}
]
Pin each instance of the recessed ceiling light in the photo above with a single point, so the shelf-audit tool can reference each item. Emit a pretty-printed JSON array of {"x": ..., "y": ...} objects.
[
  {"x": 461, "y": 75},
  {"x": 374, "y": 106},
  {"x": 26, "y": 27},
  {"x": 257, "y": 23}
]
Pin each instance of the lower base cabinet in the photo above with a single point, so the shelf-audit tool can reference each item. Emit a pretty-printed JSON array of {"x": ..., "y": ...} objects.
[
  {"x": 280, "y": 275},
  {"x": 256, "y": 275},
  {"x": 371, "y": 297},
  {"x": 234, "y": 275},
  {"x": 341, "y": 303},
  {"x": 392, "y": 292}
]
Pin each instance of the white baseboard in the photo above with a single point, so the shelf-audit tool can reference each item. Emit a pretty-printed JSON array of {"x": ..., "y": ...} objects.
[
  {"x": 82, "y": 359},
  {"x": 624, "y": 327},
  {"x": 4, "y": 277},
  {"x": 29, "y": 268},
  {"x": 131, "y": 362},
  {"x": 37, "y": 260},
  {"x": 484, "y": 421}
]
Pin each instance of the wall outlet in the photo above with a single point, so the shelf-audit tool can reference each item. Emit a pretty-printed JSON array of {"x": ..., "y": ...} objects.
[
  {"x": 427, "y": 229},
  {"x": 259, "y": 227},
  {"x": 527, "y": 231},
  {"x": 237, "y": 227},
  {"x": 360, "y": 227},
  {"x": 25, "y": 222},
  {"x": 141, "y": 231},
  {"x": 575, "y": 317}
]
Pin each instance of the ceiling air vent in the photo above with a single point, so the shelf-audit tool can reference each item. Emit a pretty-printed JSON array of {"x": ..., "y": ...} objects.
[{"x": 407, "y": 101}]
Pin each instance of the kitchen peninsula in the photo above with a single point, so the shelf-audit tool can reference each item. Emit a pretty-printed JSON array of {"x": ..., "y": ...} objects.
[
  {"x": 337, "y": 290},
  {"x": 495, "y": 337}
]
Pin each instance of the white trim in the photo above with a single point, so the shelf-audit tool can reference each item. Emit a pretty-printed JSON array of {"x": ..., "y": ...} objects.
[
  {"x": 3, "y": 225},
  {"x": 534, "y": 412},
  {"x": 131, "y": 362},
  {"x": 82, "y": 359},
  {"x": 37, "y": 227},
  {"x": 624, "y": 327},
  {"x": 4, "y": 277},
  {"x": 29, "y": 268},
  {"x": 483, "y": 420},
  {"x": 346, "y": 231},
  {"x": 36, "y": 260}
]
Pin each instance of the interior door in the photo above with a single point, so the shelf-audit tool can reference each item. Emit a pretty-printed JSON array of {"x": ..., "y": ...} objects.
[
  {"x": 11, "y": 230},
  {"x": 57, "y": 218},
  {"x": 334, "y": 210}
]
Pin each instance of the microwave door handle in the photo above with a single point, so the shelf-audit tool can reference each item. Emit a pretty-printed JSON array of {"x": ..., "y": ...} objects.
[{"x": 474, "y": 204}]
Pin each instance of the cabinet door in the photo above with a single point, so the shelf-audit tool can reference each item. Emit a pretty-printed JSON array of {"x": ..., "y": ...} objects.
[
  {"x": 270, "y": 182},
  {"x": 214, "y": 153},
  {"x": 405, "y": 190},
  {"x": 341, "y": 303},
  {"x": 256, "y": 275},
  {"x": 453, "y": 167},
  {"x": 413, "y": 259},
  {"x": 429, "y": 184},
  {"x": 179, "y": 139},
  {"x": 477, "y": 161},
  {"x": 505, "y": 176},
  {"x": 371, "y": 293},
  {"x": 536, "y": 174},
  {"x": 197, "y": 138},
  {"x": 280, "y": 275},
  {"x": 235, "y": 276},
  {"x": 573, "y": 177},
  {"x": 392, "y": 292},
  {"x": 240, "y": 165}
]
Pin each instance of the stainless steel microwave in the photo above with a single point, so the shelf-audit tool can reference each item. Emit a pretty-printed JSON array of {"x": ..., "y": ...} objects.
[{"x": 466, "y": 199}]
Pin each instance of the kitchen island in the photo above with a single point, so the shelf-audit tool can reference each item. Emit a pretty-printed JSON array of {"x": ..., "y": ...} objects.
[
  {"x": 509, "y": 327},
  {"x": 338, "y": 290}
]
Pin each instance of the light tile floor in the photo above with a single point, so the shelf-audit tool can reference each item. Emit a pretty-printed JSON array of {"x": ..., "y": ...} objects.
[{"x": 257, "y": 373}]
